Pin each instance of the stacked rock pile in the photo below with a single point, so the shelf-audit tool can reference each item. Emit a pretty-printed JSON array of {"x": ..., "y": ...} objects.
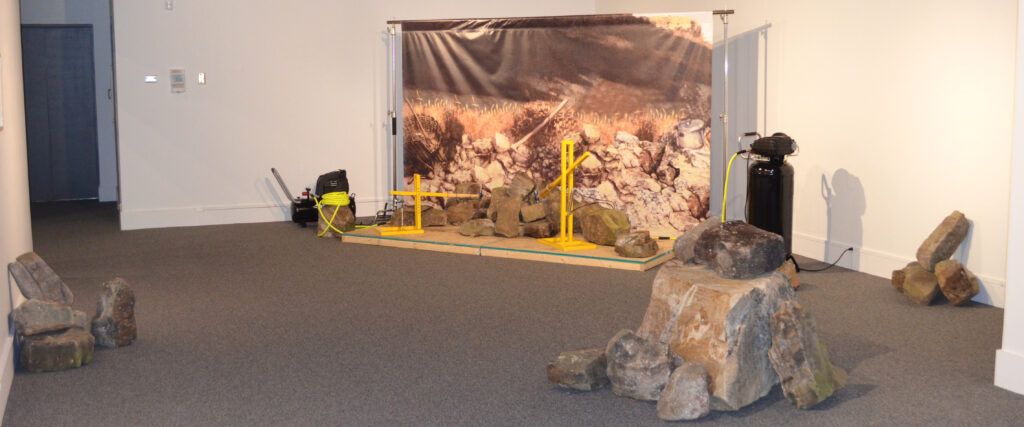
[
  {"x": 721, "y": 329},
  {"x": 49, "y": 334},
  {"x": 515, "y": 210},
  {"x": 934, "y": 272}
]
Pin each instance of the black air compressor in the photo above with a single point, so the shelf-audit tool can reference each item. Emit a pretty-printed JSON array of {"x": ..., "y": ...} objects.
[{"x": 770, "y": 187}]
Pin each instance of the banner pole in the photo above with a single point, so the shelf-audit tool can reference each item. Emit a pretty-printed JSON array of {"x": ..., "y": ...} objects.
[
  {"x": 393, "y": 110},
  {"x": 725, "y": 105}
]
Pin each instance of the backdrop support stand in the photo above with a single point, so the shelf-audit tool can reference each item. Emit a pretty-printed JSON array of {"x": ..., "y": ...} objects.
[
  {"x": 393, "y": 115},
  {"x": 724, "y": 116}
]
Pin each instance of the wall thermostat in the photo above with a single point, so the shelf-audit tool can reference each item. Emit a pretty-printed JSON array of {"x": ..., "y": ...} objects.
[{"x": 177, "y": 80}]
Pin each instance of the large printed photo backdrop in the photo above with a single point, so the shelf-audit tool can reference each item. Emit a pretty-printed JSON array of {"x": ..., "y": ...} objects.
[{"x": 486, "y": 99}]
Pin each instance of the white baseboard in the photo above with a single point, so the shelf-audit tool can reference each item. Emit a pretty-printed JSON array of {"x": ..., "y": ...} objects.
[
  {"x": 6, "y": 372},
  {"x": 135, "y": 219},
  {"x": 1009, "y": 371},
  {"x": 881, "y": 264}
]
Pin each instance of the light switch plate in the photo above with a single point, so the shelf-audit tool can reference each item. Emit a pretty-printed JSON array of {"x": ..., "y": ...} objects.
[{"x": 201, "y": 78}]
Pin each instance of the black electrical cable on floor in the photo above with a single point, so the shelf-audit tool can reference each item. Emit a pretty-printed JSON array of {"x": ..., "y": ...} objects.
[{"x": 830, "y": 265}]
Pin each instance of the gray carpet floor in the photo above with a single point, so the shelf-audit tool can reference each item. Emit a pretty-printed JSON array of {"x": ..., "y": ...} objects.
[{"x": 265, "y": 324}]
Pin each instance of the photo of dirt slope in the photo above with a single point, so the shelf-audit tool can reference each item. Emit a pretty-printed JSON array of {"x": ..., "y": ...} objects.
[{"x": 486, "y": 99}]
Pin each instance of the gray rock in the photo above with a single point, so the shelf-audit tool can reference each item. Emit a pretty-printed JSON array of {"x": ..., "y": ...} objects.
[
  {"x": 800, "y": 358},
  {"x": 57, "y": 351},
  {"x": 477, "y": 227},
  {"x": 943, "y": 241},
  {"x": 521, "y": 186},
  {"x": 637, "y": 368},
  {"x": 637, "y": 244},
  {"x": 507, "y": 223},
  {"x": 37, "y": 316},
  {"x": 685, "y": 396},
  {"x": 580, "y": 211},
  {"x": 114, "y": 323},
  {"x": 737, "y": 250},
  {"x": 538, "y": 229},
  {"x": 685, "y": 243},
  {"x": 957, "y": 283},
  {"x": 789, "y": 269},
  {"x": 583, "y": 370},
  {"x": 604, "y": 226},
  {"x": 36, "y": 279},
  {"x": 460, "y": 211},
  {"x": 343, "y": 221},
  {"x": 498, "y": 195},
  {"x": 532, "y": 212},
  {"x": 723, "y": 324},
  {"x": 900, "y": 276},
  {"x": 433, "y": 217},
  {"x": 920, "y": 285}
]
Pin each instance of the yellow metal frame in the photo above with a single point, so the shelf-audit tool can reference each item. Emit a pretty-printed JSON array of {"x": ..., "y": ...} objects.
[
  {"x": 417, "y": 195},
  {"x": 565, "y": 240}
]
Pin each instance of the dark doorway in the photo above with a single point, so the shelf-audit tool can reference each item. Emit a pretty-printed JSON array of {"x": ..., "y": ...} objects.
[{"x": 60, "y": 112}]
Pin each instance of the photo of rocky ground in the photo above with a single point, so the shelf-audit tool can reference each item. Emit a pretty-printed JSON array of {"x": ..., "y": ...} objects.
[{"x": 633, "y": 91}]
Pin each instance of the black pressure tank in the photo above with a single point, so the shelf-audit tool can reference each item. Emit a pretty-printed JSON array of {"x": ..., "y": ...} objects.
[{"x": 770, "y": 187}]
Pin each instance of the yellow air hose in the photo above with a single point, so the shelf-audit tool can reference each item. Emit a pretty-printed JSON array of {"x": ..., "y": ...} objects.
[
  {"x": 336, "y": 199},
  {"x": 725, "y": 190}
]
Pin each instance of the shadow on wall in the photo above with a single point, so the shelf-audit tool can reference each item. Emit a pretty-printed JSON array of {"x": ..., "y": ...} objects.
[{"x": 845, "y": 205}]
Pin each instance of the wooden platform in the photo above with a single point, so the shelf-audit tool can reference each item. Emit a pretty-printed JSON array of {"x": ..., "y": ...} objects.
[{"x": 448, "y": 239}]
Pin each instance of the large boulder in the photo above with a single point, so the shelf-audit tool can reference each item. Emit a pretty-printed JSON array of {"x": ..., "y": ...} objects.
[
  {"x": 507, "y": 222},
  {"x": 920, "y": 285},
  {"x": 521, "y": 186},
  {"x": 685, "y": 396},
  {"x": 538, "y": 229},
  {"x": 583, "y": 370},
  {"x": 532, "y": 212},
  {"x": 604, "y": 226},
  {"x": 637, "y": 244},
  {"x": 460, "y": 211},
  {"x": 723, "y": 324},
  {"x": 477, "y": 227},
  {"x": 637, "y": 367},
  {"x": 957, "y": 283},
  {"x": 737, "y": 250},
  {"x": 340, "y": 217},
  {"x": 943, "y": 241},
  {"x": 57, "y": 351},
  {"x": 498, "y": 195},
  {"x": 433, "y": 217},
  {"x": 900, "y": 276},
  {"x": 685, "y": 243},
  {"x": 37, "y": 316},
  {"x": 36, "y": 279},
  {"x": 800, "y": 358},
  {"x": 114, "y": 323}
]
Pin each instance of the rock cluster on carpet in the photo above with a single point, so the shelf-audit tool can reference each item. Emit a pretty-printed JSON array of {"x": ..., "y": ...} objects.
[
  {"x": 721, "y": 329},
  {"x": 933, "y": 272},
  {"x": 49, "y": 334}
]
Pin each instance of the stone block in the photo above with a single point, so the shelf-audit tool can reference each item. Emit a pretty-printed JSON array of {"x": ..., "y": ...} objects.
[{"x": 723, "y": 324}]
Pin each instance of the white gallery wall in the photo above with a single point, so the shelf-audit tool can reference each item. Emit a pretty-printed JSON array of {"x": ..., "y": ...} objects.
[
  {"x": 903, "y": 112},
  {"x": 300, "y": 86},
  {"x": 1010, "y": 358},
  {"x": 97, "y": 14},
  {"x": 15, "y": 220}
]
